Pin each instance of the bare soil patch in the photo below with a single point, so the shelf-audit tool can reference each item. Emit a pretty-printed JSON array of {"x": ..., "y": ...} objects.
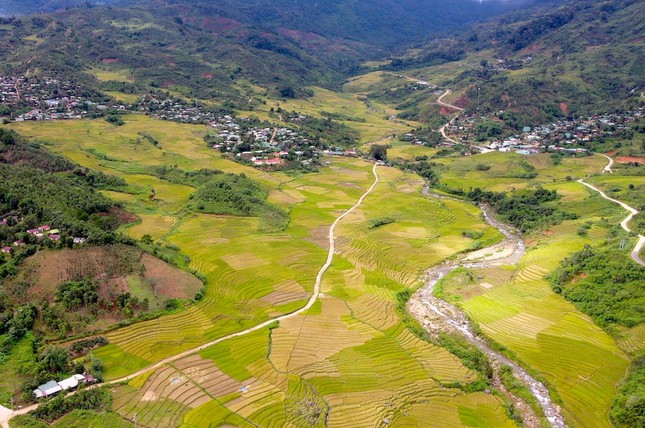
[
  {"x": 630, "y": 159},
  {"x": 170, "y": 281},
  {"x": 116, "y": 270}
]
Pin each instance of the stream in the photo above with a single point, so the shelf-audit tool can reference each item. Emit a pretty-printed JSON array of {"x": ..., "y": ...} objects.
[{"x": 425, "y": 307}]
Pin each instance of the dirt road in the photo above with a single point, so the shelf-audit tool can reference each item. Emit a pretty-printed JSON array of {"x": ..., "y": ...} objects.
[{"x": 442, "y": 130}]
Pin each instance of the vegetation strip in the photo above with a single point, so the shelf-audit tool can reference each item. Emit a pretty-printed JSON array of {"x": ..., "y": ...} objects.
[{"x": 4, "y": 418}]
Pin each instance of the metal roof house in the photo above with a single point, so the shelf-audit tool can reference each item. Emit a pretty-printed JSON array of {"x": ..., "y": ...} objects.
[
  {"x": 45, "y": 390},
  {"x": 52, "y": 387}
]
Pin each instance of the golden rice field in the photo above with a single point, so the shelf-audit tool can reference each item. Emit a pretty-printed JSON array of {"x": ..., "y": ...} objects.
[
  {"x": 462, "y": 172},
  {"x": 348, "y": 361}
]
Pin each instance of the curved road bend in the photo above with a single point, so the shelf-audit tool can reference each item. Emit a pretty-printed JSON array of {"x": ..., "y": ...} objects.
[
  {"x": 624, "y": 223},
  {"x": 6, "y": 414},
  {"x": 442, "y": 130}
]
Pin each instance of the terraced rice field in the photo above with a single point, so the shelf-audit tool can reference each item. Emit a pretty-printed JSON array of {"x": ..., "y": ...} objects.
[
  {"x": 348, "y": 359},
  {"x": 462, "y": 172},
  {"x": 543, "y": 330}
]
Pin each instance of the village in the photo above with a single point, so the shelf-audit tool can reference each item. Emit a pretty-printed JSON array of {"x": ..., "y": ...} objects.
[
  {"x": 33, "y": 98},
  {"x": 34, "y": 235},
  {"x": 262, "y": 146},
  {"x": 567, "y": 136},
  {"x": 164, "y": 107}
]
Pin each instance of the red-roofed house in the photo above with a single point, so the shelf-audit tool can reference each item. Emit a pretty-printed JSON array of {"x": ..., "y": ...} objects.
[
  {"x": 274, "y": 161},
  {"x": 44, "y": 228},
  {"x": 6, "y": 250},
  {"x": 54, "y": 237},
  {"x": 32, "y": 231}
]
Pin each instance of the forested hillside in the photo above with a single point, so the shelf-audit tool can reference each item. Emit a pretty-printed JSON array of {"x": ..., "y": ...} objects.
[{"x": 582, "y": 58}]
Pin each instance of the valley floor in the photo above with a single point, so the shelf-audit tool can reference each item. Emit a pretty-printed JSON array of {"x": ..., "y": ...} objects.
[{"x": 340, "y": 354}]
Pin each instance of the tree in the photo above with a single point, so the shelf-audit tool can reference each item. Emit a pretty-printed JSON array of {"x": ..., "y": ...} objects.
[
  {"x": 96, "y": 368},
  {"x": 378, "y": 152},
  {"x": 55, "y": 359}
]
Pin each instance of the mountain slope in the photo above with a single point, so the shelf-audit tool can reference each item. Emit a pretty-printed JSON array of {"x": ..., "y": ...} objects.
[{"x": 584, "y": 57}]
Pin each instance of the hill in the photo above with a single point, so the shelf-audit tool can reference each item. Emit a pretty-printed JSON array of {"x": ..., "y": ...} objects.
[
  {"x": 581, "y": 58},
  {"x": 382, "y": 23}
]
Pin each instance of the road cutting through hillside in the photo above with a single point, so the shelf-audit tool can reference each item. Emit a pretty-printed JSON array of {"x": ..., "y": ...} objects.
[{"x": 6, "y": 414}]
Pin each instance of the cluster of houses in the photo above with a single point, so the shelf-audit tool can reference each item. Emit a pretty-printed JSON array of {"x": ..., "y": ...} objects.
[
  {"x": 262, "y": 146},
  {"x": 41, "y": 232},
  {"x": 167, "y": 108},
  {"x": 562, "y": 136},
  {"x": 52, "y": 387},
  {"x": 33, "y": 98}
]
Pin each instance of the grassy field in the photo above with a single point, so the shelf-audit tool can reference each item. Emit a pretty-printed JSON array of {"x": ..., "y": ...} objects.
[
  {"x": 106, "y": 75},
  {"x": 505, "y": 168},
  {"x": 75, "y": 419}
]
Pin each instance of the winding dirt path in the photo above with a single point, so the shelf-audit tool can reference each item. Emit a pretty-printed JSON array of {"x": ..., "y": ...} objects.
[
  {"x": 6, "y": 414},
  {"x": 632, "y": 212},
  {"x": 442, "y": 130}
]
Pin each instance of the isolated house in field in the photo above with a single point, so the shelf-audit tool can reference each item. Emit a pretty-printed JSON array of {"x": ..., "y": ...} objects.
[
  {"x": 6, "y": 250},
  {"x": 48, "y": 389}
]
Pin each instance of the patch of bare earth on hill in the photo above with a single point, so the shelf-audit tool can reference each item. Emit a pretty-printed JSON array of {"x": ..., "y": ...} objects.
[
  {"x": 630, "y": 159},
  {"x": 170, "y": 281},
  {"x": 116, "y": 270}
]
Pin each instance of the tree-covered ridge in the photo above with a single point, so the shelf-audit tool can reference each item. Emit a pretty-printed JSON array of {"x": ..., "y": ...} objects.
[
  {"x": 601, "y": 283},
  {"x": 383, "y": 23},
  {"x": 628, "y": 408},
  {"x": 48, "y": 201},
  {"x": 528, "y": 210},
  {"x": 159, "y": 49},
  {"x": 542, "y": 64}
]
